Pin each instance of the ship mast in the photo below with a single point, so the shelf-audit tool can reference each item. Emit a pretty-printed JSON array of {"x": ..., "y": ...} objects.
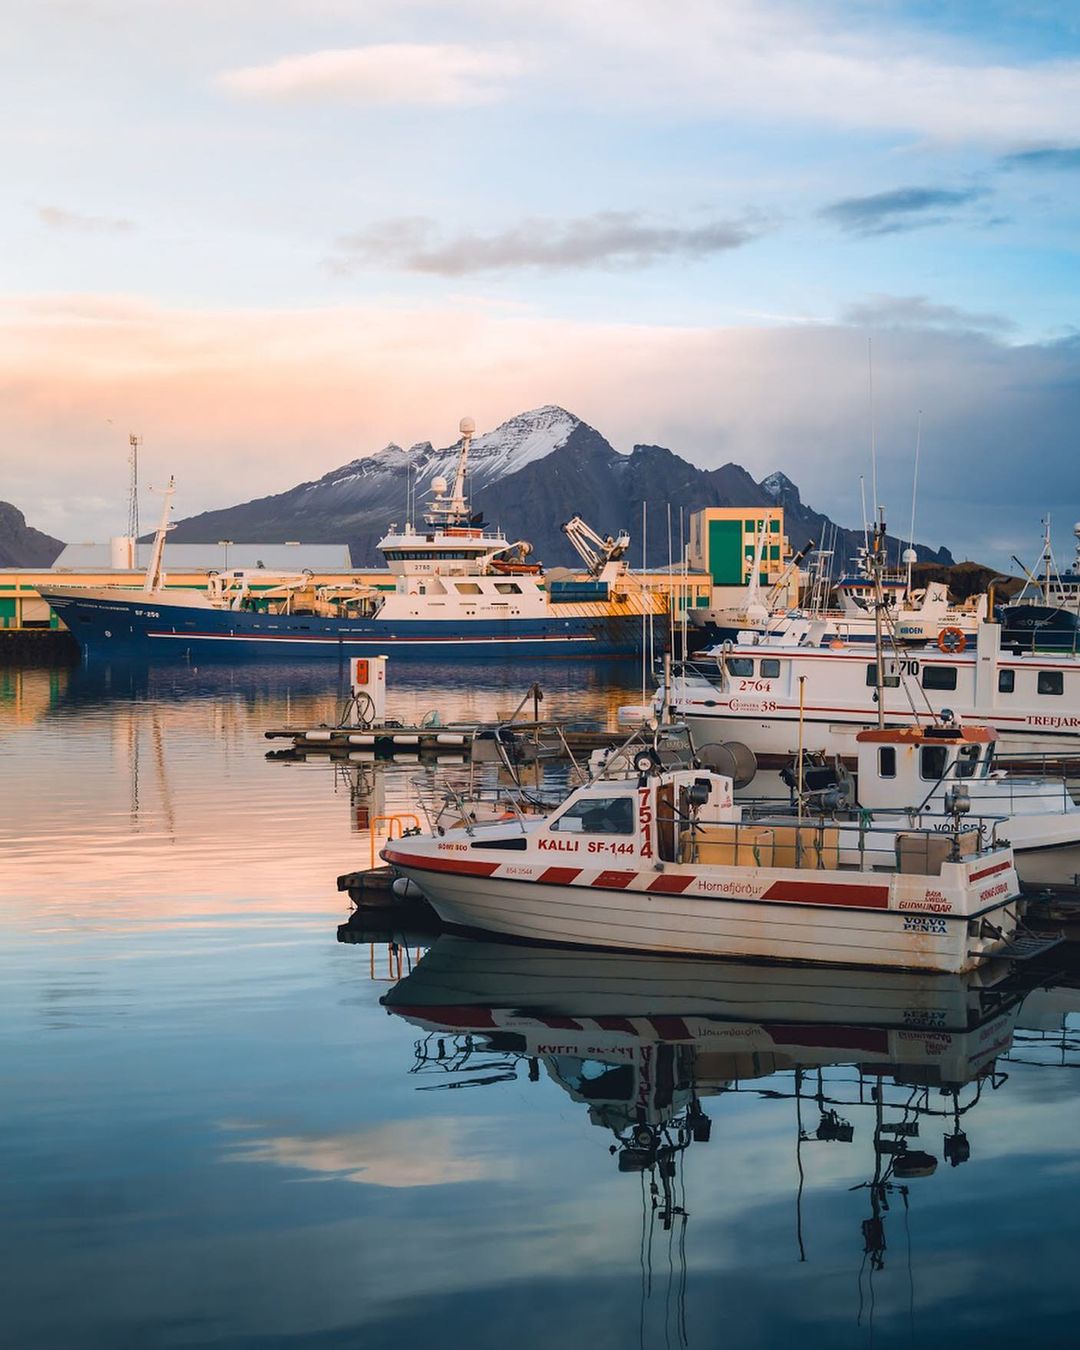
[
  {"x": 458, "y": 505},
  {"x": 876, "y": 563},
  {"x": 154, "y": 574},
  {"x": 454, "y": 509}
]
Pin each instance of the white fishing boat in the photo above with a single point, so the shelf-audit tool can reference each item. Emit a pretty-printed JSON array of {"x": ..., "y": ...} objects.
[
  {"x": 1048, "y": 587},
  {"x": 919, "y": 775},
  {"x": 913, "y": 617},
  {"x": 666, "y": 862},
  {"x": 1045, "y": 615},
  {"x": 759, "y": 692}
]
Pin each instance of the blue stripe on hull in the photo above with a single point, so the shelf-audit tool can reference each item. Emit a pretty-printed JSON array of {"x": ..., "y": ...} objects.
[{"x": 176, "y": 633}]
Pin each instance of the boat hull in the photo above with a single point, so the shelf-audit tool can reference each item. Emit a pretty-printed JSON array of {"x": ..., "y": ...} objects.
[
  {"x": 834, "y": 733},
  {"x": 843, "y": 920},
  {"x": 112, "y": 627}
]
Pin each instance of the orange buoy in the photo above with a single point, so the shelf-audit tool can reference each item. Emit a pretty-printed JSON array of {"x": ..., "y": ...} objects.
[{"x": 951, "y": 641}]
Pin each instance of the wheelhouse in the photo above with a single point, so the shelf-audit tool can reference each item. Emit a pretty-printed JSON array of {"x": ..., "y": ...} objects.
[{"x": 906, "y": 764}]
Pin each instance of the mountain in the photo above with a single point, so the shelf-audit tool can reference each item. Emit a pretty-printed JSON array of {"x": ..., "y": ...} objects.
[
  {"x": 22, "y": 546},
  {"x": 528, "y": 475}
]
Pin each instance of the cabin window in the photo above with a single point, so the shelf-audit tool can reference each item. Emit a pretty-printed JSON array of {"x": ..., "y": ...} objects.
[
  {"x": 467, "y": 588},
  {"x": 932, "y": 760},
  {"x": 967, "y": 761},
  {"x": 1051, "y": 682},
  {"x": 886, "y": 761},
  {"x": 597, "y": 815},
  {"x": 939, "y": 677},
  {"x": 770, "y": 669},
  {"x": 508, "y": 588},
  {"x": 743, "y": 666},
  {"x": 887, "y": 682},
  {"x": 1006, "y": 681}
]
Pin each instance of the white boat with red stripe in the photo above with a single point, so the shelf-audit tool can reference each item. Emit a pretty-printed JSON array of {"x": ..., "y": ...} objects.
[{"x": 666, "y": 863}]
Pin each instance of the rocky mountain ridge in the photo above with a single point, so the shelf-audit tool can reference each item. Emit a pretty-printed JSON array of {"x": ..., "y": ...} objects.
[{"x": 528, "y": 475}]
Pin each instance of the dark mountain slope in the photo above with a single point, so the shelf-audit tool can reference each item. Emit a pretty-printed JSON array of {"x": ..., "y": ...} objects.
[{"x": 23, "y": 546}]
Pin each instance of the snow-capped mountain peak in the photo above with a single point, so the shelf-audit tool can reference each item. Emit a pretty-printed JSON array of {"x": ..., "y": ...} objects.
[
  {"x": 509, "y": 447},
  {"x": 495, "y": 454},
  {"x": 519, "y": 441}
]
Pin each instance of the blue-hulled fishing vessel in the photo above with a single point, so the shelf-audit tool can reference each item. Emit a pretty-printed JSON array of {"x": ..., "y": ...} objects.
[{"x": 460, "y": 589}]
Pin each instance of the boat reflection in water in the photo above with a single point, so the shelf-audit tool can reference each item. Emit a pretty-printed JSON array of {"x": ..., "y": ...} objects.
[{"x": 642, "y": 1042}]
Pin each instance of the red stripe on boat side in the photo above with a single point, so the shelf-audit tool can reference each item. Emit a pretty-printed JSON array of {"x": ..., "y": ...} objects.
[
  {"x": 559, "y": 876},
  {"x": 990, "y": 871},
  {"x": 616, "y": 1024},
  {"x": 561, "y": 1023},
  {"x": 827, "y": 893},
  {"x": 614, "y": 881},
  {"x": 670, "y": 1028},
  {"x": 465, "y": 867},
  {"x": 669, "y": 884}
]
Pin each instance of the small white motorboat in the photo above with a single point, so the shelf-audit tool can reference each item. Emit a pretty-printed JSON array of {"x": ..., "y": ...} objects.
[
  {"x": 666, "y": 862},
  {"x": 915, "y": 776}
]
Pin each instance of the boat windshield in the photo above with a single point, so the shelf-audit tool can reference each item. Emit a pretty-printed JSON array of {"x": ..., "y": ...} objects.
[
  {"x": 597, "y": 815},
  {"x": 967, "y": 761}
]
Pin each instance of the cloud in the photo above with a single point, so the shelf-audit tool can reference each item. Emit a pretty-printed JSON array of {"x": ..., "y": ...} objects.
[
  {"x": 56, "y": 218},
  {"x": 407, "y": 73},
  {"x": 242, "y": 402},
  {"x": 794, "y": 62},
  {"x": 775, "y": 61},
  {"x": 1055, "y": 158},
  {"x": 606, "y": 239},
  {"x": 917, "y": 311},
  {"x": 908, "y": 208},
  {"x": 439, "y": 1151}
]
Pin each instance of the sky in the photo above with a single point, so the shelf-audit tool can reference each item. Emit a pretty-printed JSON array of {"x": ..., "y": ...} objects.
[{"x": 272, "y": 237}]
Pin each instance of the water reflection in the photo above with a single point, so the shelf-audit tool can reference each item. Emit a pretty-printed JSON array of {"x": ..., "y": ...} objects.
[
  {"x": 880, "y": 1063},
  {"x": 209, "y": 1137},
  {"x": 125, "y": 785}
]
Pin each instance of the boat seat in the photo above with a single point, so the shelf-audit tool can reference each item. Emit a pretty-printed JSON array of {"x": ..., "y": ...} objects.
[
  {"x": 808, "y": 846},
  {"x": 728, "y": 845},
  {"x": 922, "y": 854}
]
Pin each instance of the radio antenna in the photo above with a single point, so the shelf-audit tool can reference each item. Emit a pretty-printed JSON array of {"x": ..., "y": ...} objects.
[{"x": 133, "y": 492}]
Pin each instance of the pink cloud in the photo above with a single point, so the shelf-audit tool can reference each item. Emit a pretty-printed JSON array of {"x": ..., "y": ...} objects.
[{"x": 387, "y": 73}]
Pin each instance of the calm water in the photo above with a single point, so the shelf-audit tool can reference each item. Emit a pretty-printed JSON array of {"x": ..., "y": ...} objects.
[{"x": 215, "y": 1134}]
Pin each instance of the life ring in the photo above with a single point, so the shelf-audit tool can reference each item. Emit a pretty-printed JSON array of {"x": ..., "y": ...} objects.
[{"x": 951, "y": 641}]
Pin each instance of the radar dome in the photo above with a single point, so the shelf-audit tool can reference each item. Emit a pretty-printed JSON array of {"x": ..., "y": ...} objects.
[
  {"x": 467, "y": 426},
  {"x": 438, "y": 485},
  {"x": 1076, "y": 529},
  {"x": 910, "y": 556}
]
